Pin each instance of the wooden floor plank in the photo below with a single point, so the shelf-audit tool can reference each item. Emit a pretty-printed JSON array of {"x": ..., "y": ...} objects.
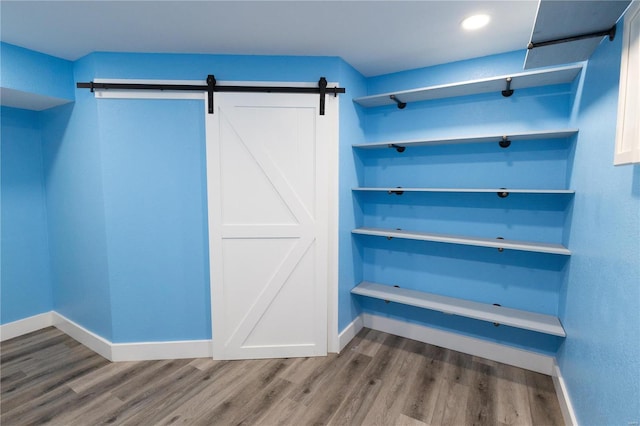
[
  {"x": 334, "y": 393},
  {"x": 542, "y": 399},
  {"x": 230, "y": 378},
  {"x": 358, "y": 403},
  {"x": 378, "y": 379},
  {"x": 389, "y": 402},
  {"x": 480, "y": 405},
  {"x": 231, "y": 408},
  {"x": 511, "y": 398}
]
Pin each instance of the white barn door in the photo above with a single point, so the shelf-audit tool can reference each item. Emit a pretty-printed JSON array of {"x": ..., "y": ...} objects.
[{"x": 268, "y": 194}]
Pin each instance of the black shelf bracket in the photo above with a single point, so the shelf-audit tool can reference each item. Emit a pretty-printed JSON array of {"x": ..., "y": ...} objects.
[
  {"x": 508, "y": 91},
  {"x": 212, "y": 87},
  {"x": 503, "y": 194},
  {"x": 389, "y": 301},
  {"x": 497, "y": 324},
  {"x": 500, "y": 249},
  {"x": 611, "y": 33},
  {"x": 399, "y": 103},
  {"x": 504, "y": 142},
  {"x": 398, "y": 191},
  {"x": 397, "y": 147}
]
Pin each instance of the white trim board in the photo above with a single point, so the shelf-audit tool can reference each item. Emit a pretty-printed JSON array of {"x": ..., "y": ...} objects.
[
  {"x": 96, "y": 343},
  {"x": 25, "y": 326},
  {"x": 350, "y": 332},
  {"x": 470, "y": 345},
  {"x": 137, "y": 351},
  {"x": 568, "y": 415},
  {"x": 147, "y": 351}
]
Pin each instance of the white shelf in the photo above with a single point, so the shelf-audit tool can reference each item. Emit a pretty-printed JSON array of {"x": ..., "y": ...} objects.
[
  {"x": 495, "y": 138},
  {"x": 467, "y": 190},
  {"x": 481, "y": 311},
  {"x": 469, "y": 241},
  {"x": 545, "y": 77}
]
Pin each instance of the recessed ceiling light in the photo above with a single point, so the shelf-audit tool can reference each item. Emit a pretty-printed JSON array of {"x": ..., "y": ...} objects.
[{"x": 475, "y": 22}]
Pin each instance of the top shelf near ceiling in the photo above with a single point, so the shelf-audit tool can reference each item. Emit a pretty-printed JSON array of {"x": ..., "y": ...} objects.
[{"x": 536, "y": 78}]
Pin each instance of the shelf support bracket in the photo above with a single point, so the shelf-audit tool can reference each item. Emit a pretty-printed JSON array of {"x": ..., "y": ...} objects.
[
  {"x": 503, "y": 194},
  {"x": 497, "y": 324},
  {"x": 389, "y": 301},
  {"x": 504, "y": 142},
  {"x": 397, "y": 147},
  {"x": 400, "y": 104},
  {"x": 508, "y": 91},
  {"x": 500, "y": 249},
  {"x": 399, "y": 191}
]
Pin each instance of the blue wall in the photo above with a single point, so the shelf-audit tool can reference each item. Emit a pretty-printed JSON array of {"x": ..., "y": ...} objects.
[
  {"x": 599, "y": 359},
  {"x": 154, "y": 180},
  {"x": 25, "y": 288},
  {"x": 351, "y": 132},
  {"x": 76, "y": 209}
]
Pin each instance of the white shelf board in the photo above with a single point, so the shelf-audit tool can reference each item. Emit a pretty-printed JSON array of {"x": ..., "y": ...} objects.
[
  {"x": 481, "y": 311},
  {"x": 467, "y": 190},
  {"x": 27, "y": 100},
  {"x": 469, "y": 241},
  {"x": 535, "y": 78},
  {"x": 495, "y": 138}
]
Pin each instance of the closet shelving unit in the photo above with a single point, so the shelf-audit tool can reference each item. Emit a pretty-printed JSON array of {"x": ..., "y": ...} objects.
[{"x": 481, "y": 311}]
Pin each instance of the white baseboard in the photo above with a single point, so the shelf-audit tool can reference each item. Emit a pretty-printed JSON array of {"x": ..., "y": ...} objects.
[
  {"x": 566, "y": 407},
  {"x": 350, "y": 332},
  {"x": 98, "y": 344},
  {"x": 147, "y": 351},
  {"x": 138, "y": 351},
  {"x": 470, "y": 345},
  {"x": 25, "y": 326}
]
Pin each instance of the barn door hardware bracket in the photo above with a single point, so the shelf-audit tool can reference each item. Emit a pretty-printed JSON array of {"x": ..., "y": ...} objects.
[
  {"x": 212, "y": 87},
  {"x": 611, "y": 33}
]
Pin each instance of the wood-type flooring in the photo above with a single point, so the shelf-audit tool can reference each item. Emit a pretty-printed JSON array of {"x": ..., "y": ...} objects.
[{"x": 378, "y": 379}]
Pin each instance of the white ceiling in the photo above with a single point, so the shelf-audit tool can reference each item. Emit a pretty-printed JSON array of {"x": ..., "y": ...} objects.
[{"x": 376, "y": 37}]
